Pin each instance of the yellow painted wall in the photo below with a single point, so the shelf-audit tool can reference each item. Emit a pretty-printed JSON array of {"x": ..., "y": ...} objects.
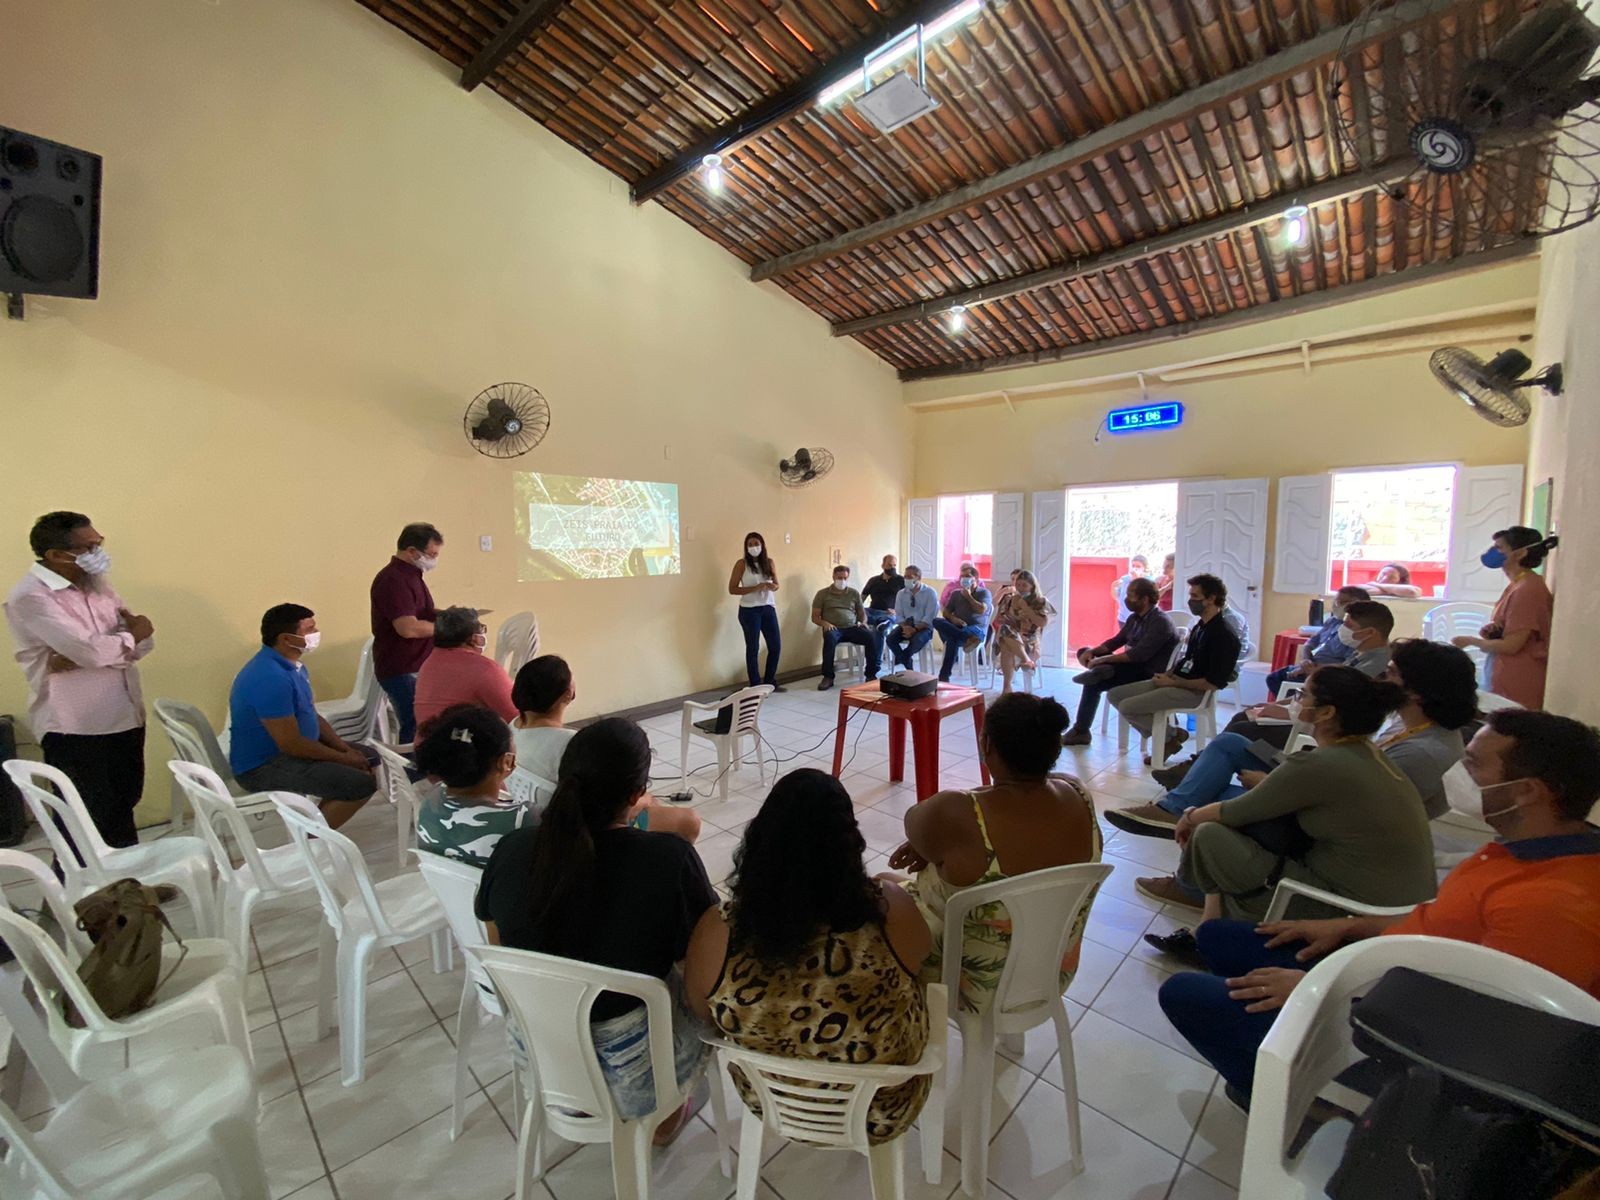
[
  {"x": 1386, "y": 410},
  {"x": 1566, "y": 431},
  {"x": 316, "y": 250}
]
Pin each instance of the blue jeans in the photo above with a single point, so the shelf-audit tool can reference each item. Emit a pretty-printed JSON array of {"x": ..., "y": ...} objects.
[
  {"x": 1198, "y": 1006},
  {"x": 1211, "y": 777},
  {"x": 903, "y": 649},
  {"x": 953, "y": 636},
  {"x": 402, "y": 693},
  {"x": 858, "y": 635},
  {"x": 760, "y": 621}
]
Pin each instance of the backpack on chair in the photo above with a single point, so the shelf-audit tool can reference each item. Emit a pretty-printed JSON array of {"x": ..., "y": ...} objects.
[{"x": 123, "y": 968}]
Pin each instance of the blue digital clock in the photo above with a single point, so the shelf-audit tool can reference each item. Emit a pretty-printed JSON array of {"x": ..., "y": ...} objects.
[{"x": 1145, "y": 416}]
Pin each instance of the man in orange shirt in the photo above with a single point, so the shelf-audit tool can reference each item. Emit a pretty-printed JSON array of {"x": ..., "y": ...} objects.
[{"x": 1534, "y": 892}]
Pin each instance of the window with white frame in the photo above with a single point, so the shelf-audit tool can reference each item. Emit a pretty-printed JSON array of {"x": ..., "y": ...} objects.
[{"x": 1433, "y": 520}]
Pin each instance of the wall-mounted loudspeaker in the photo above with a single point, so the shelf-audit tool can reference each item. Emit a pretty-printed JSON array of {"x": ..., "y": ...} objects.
[{"x": 49, "y": 217}]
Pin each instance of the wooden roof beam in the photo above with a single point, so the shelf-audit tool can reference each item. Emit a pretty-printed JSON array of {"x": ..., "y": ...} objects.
[
  {"x": 1310, "y": 302},
  {"x": 524, "y": 23},
  {"x": 1339, "y": 188},
  {"x": 1169, "y": 112},
  {"x": 800, "y": 94}
]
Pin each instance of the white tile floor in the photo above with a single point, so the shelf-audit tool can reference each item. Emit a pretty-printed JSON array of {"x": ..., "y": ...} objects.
[{"x": 1155, "y": 1123}]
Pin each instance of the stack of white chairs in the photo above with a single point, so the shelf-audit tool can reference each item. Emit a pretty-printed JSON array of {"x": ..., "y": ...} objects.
[
  {"x": 517, "y": 642},
  {"x": 192, "y": 737},
  {"x": 826, "y": 1105},
  {"x": 355, "y": 717},
  {"x": 362, "y": 917},
  {"x": 744, "y": 722},
  {"x": 260, "y": 876},
  {"x": 184, "y": 862},
  {"x": 1456, "y": 619}
]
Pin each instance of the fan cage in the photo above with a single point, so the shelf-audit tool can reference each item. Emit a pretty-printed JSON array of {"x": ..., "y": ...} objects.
[
  {"x": 795, "y": 477},
  {"x": 529, "y": 407}
]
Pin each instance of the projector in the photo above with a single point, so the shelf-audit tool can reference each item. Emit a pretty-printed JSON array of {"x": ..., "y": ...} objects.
[{"x": 908, "y": 685}]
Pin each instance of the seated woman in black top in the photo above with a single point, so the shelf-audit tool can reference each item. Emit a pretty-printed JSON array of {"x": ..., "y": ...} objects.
[{"x": 586, "y": 886}]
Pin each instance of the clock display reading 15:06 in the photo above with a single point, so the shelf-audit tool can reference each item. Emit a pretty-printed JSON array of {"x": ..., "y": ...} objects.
[{"x": 1145, "y": 416}]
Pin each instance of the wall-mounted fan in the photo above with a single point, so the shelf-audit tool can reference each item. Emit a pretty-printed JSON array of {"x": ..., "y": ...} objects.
[
  {"x": 1493, "y": 389},
  {"x": 1494, "y": 109},
  {"x": 805, "y": 468},
  {"x": 506, "y": 420}
]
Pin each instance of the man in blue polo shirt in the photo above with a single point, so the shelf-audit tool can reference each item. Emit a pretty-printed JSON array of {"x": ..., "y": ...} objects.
[{"x": 279, "y": 742}]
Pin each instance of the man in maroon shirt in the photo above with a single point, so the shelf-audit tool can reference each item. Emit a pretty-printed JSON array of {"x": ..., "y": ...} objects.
[{"x": 402, "y": 619}]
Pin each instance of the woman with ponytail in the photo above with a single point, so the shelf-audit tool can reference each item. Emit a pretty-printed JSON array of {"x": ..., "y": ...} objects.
[
  {"x": 1517, "y": 637},
  {"x": 587, "y": 885},
  {"x": 1027, "y": 820}
]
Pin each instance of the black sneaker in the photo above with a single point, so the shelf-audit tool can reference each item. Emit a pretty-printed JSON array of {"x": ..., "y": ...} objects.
[{"x": 1179, "y": 944}]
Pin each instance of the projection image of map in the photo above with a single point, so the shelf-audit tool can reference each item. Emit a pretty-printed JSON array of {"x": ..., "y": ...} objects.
[{"x": 578, "y": 527}]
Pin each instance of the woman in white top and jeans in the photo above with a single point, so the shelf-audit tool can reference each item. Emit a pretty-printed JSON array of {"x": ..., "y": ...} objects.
[{"x": 754, "y": 580}]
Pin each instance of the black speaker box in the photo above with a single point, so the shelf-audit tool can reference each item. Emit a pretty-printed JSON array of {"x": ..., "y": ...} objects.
[{"x": 49, "y": 217}]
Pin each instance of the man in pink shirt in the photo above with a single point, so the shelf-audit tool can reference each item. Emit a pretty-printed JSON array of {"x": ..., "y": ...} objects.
[{"x": 78, "y": 643}]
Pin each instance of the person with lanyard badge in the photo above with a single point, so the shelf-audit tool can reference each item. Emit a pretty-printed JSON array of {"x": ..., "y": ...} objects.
[
  {"x": 1517, "y": 637},
  {"x": 755, "y": 581}
]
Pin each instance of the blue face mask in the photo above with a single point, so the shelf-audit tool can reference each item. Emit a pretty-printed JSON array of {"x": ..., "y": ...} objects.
[{"x": 1494, "y": 558}]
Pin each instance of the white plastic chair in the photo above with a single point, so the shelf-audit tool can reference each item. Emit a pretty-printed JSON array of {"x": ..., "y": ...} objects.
[
  {"x": 455, "y": 885},
  {"x": 355, "y": 717},
  {"x": 745, "y": 722},
  {"x": 549, "y": 999},
  {"x": 362, "y": 917},
  {"x": 395, "y": 775},
  {"x": 1287, "y": 889},
  {"x": 530, "y": 790},
  {"x": 192, "y": 737},
  {"x": 517, "y": 642},
  {"x": 184, "y": 862},
  {"x": 1044, "y": 908},
  {"x": 261, "y": 875},
  {"x": 1310, "y": 1044},
  {"x": 142, "y": 1131},
  {"x": 826, "y": 1105},
  {"x": 1205, "y": 722},
  {"x": 1455, "y": 619},
  {"x": 201, "y": 981}
]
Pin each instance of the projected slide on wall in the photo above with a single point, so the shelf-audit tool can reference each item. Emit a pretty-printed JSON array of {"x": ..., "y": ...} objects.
[{"x": 578, "y": 527}]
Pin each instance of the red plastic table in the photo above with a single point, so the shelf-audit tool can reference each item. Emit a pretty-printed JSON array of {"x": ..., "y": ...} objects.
[
  {"x": 924, "y": 716},
  {"x": 1286, "y": 648}
]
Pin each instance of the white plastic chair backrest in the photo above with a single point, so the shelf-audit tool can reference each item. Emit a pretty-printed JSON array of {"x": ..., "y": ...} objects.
[
  {"x": 31, "y": 778},
  {"x": 549, "y": 999},
  {"x": 338, "y": 871},
  {"x": 1043, "y": 907},
  {"x": 1301, "y": 741},
  {"x": 1177, "y": 650},
  {"x": 1445, "y": 621},
  {"x": 397, "y": 783},
  {"x": 191, "y": 736},
  {"x": 52, "y": 973},
  {"x": 1181, "y": 620},
  {"x": 828, "y": 1103},
  {"x": 220, "y": 820},
  {"x": 455, "y": 885},
  {"x": 746, "y": 705},
  {"x": 516, "y": 641},
  {"x": 25, "y": 1169},
  {"x": 55, "y": 899},
  {"x": 530, "y": 790},
  {"x": 366, "y": 683},
  {"x": 1310, "y": 1042}
]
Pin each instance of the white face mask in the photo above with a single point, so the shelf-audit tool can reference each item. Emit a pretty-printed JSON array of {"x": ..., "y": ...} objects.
[
  {"x": 1349, "y": 638},
  {"x": 94, "y": 562},
  {"x": 753, "y": 550},
  {"x": 913, "y": 584},
  {"x": 1024, "y": 590},
  {"x": 427, "y": 562},
  {"x": 841, "y": 584},
  {"x": 968, "y": 582},
  {"x": 1337, "y": 612},
  {"x": 312, "y": 640}
]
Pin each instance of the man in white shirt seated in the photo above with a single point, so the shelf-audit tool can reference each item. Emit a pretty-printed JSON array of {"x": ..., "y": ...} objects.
[{"x": 914, "y": 610}]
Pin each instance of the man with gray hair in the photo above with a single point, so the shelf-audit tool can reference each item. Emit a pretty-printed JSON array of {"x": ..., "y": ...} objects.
[{"x": 458, "y": 671}]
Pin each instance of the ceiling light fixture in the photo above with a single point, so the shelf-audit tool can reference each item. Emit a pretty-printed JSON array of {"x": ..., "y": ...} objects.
[
  {"x": 1295, "y": 223},
  {"x": 906, "y": 44},
  {"x": 713, "y": 166},
  {"x": 958, "y": 318}
]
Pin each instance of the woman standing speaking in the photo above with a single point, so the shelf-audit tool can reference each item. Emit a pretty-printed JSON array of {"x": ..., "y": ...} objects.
[{"x": 754, "y": 580}]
